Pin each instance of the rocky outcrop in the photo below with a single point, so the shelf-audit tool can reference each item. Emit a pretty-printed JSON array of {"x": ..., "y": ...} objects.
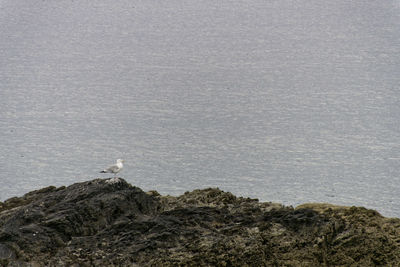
[{"x": 108, "y": 222}]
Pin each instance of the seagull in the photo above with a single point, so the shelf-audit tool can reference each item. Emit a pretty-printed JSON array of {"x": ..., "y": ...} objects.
[{"x": 116, "y": 168}]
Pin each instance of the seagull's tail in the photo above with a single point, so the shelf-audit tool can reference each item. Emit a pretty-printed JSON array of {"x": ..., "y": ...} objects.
[{"x": 103, "y": 172}]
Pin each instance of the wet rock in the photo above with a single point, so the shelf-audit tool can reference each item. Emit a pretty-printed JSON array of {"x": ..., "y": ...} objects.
[{"x": 108, "y": 222}]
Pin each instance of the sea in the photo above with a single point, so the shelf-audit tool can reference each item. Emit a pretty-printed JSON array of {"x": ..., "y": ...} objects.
[{"x": 289, "y": 101}]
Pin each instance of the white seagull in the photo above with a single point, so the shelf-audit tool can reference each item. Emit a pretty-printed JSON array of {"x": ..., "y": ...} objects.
[{"x": 116, "y": 168}]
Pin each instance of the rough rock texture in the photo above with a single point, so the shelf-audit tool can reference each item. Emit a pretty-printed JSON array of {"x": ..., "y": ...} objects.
[{"x": 108, "y": 222}]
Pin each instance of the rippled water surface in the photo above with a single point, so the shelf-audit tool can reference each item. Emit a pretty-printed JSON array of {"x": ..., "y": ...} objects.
[{"x": 287, "y": 101}]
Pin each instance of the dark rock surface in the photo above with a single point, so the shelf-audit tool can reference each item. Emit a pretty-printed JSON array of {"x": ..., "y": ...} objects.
[{"x": 108, "y": 222}]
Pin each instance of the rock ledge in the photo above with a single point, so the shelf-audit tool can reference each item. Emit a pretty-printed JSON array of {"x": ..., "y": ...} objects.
[{"x": 108, "y": 222}]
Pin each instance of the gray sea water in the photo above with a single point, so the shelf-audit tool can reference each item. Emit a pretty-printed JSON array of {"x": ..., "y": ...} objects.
[{"x": 289, "y": 101}]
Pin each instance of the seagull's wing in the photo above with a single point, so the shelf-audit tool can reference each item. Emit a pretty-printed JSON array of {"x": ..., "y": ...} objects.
[{"x": 113, "y": 168}]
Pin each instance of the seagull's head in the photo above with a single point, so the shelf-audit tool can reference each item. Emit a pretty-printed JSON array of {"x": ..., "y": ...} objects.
[{"x": 120, "y": 160}]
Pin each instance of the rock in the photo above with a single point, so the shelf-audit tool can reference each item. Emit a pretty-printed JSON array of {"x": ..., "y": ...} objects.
[{"x": 108, "y": 222}]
